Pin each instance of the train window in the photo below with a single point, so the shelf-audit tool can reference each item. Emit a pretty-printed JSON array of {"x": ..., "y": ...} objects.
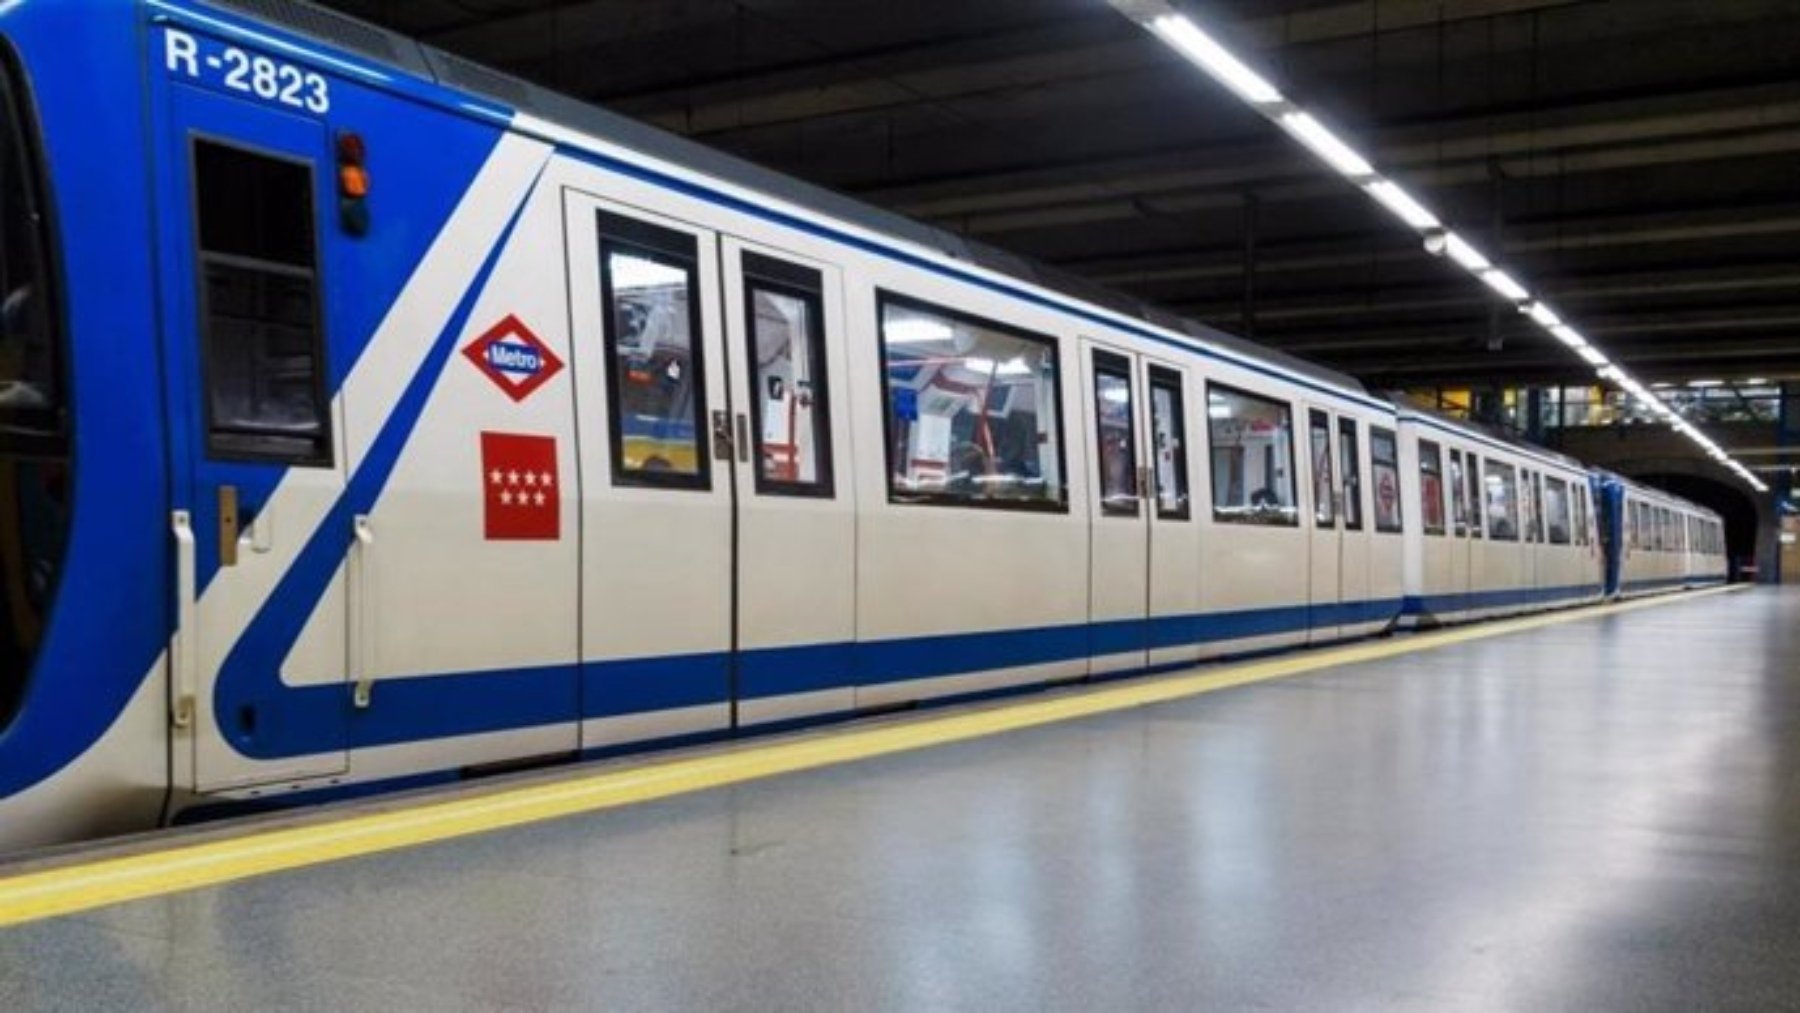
[
  {"x": 1384, "y": 458},
  {"x": 973, "y": 410},
  {"x": 1501, "y": 487},
  {"x": 1473, "y": 483},
  {"x": 30, "y": 371},
  {"x": 655, "y": 371},
  {"x": 791, "y": 425},
  {"x": 1530, "y": 507},
  {"x": 1169, "y": 438},
  {"x": 1431, "y": 487},
  {"x": 262, "y": 352},
  {"x": 1350, "y": 464},
  {"x": 1115, "y": 434},
  {"x": 1319, "y": 443},
  {"x": 1578, "y": 502},
  {"x": 1556, "y": 510},
  {"x": 34, "y": 442},
  {"x": 1459, "y": 503},
  {"x": 1252, "y": 457}
]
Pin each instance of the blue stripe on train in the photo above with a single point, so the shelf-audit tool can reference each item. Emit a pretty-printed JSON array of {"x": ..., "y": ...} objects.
[
  {"x": 449, "y": 705},
  {"x": 1446, "y": 604}
]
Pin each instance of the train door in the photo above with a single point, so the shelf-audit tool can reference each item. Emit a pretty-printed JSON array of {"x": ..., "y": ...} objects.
[
  {"x": 1354, "y": 585},
  {"x": 1460, "y": 553},
  {"x": 258, "y": 445},
  {"x": 1174, "y": 533},
  {"x": 655, "y": 453},
  {"x": 1326, "y": 539},
  {"x": 1118, "y": 521},
  {"x": 795, "y": 607}
]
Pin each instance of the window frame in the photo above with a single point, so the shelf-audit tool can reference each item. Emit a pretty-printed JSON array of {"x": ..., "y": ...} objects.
[
  {"x": 1459, "y": 495},
  {"x": 1164, "y": 378},
  {"x": 1510, "y": 482},
  {"x": 1293, "y": 519},
  {"x": 1377, "y": 433},
  {"x": 1325, "y": 508},
  {"x": 1350, "y": 477},
  {"x": 649, "y": 241},
  {"x": 1437, "y": 454},
  {"x": 1475, "y": 490},
  {"x": 1115, "y": 366},
  {"x": 325, "y": 457},
  {"x": 1060, "y": 503},
  {"x": 1568, "y": 538},
  {"x": 759, "y": 272}
]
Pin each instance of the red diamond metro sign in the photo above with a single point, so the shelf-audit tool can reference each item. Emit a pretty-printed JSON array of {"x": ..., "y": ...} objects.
[{"x": 514, "y": 358}]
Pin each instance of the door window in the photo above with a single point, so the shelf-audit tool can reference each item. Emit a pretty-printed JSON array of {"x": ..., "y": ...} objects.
[
  {"x": 1168, "y": 423},
  {"x": 790, "y": 406},
  {"x": 1384, "y": 457},
  {"x": 1431, "y": 487},
  {"x": 1459, "y": 500},
  {"x": 655, "y": 368},
  {"x": 1319, "y": 443},
  {"x": 1115, "y": 435},
  {"x": 1350, "y": 464},
  {"x": 1501, "y": 485},
  {"x": 973, "y": 410},
  {"x": 1473, "y": 495},
  {"x": 1556, "y": 510},
  {"x": 262, "y": 352}
]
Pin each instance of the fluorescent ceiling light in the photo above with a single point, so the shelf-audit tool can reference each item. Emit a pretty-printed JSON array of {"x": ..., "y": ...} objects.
[
  {"x": 1569, "y": 336},
  {"x": 1468, "y": 257},
  {"x": 1543, "y": 316},
  {"x": 1403, "y": 205},
  {"x": 1755, "y": 381},
  {"x": 1215, "y": 59},
  {"x": 1703, "y": 384},
  {"x": 1326, "y": 145},
  {"x": 1592, "y": 355},
  {"x": 1504, "y": 284}
]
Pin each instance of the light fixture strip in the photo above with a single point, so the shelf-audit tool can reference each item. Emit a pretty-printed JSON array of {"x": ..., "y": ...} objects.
[{"x": 1204, "y": 51}]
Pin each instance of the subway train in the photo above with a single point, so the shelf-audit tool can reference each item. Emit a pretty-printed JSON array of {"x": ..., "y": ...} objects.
[{"x": 370, "y": 419}]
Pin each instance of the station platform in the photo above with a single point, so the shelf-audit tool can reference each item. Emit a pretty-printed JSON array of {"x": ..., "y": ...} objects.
[{"x": 1581, "y": 811}]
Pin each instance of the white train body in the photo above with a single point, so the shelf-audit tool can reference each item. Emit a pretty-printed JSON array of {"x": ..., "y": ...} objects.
[{"x": 565, "y": 437}]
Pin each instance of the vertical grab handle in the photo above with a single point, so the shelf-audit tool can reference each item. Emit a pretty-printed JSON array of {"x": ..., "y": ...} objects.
[
  {"x": 183, "y": 662},
  {"x": 361, "y": 596}
]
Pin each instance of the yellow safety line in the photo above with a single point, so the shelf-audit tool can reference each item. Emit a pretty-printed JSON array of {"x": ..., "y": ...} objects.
[{"x": 69, "y": 889}]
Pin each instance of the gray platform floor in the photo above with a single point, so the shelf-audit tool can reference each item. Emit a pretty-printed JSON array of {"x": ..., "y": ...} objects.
[{"x": 1599, "y": 815}]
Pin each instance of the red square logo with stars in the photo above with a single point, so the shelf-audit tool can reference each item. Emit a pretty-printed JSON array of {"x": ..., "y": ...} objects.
[{"x": 521, "y": 487}]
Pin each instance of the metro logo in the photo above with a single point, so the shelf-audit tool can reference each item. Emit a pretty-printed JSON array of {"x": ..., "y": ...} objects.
[{"x": 513, "y": 357}]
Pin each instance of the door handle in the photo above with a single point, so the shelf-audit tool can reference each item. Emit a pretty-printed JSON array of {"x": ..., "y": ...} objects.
[
  {"x": 228, "y": 525},
  {"x": 361, "y": 596},
  {"x": 182, "y": 660},
  {"x": 743, "y": 438}
]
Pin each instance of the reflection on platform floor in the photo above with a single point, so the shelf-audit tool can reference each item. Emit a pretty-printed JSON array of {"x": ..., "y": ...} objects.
[{"x": 1603, "y": 814}]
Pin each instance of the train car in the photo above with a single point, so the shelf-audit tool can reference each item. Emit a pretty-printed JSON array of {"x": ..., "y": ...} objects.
[
  {"x": 1502, "y": 527},
  {"x": 1660, "y": 542},
  {"x": 402, "y": 421}
]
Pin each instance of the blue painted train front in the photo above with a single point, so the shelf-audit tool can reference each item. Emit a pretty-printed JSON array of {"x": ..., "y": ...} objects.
[{"x": 367, "y": 418}]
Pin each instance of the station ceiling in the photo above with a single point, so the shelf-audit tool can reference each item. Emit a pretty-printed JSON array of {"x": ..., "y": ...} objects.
[{"x": 1637, "y": 161}]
